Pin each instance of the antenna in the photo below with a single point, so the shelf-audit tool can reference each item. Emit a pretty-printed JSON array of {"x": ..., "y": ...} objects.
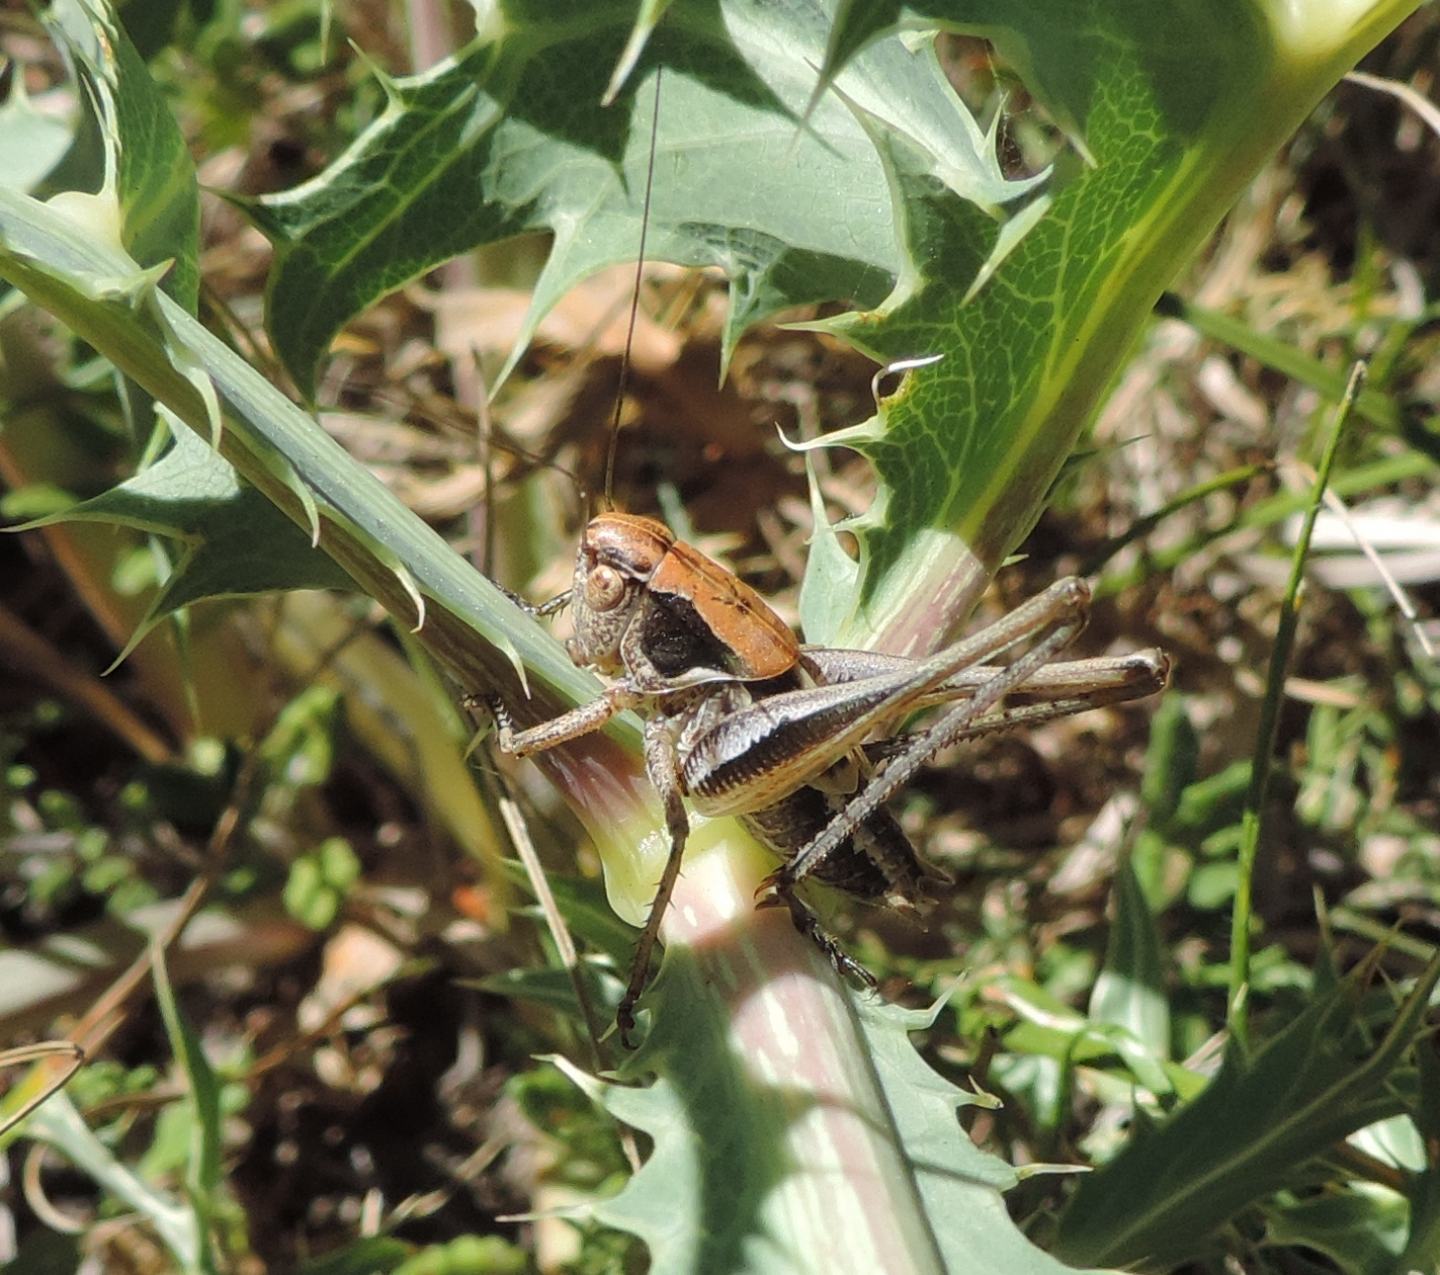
[{"x": 609, "y": 496}]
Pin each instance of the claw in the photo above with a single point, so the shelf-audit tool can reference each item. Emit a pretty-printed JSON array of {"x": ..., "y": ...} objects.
[{"x": 774, "y": 890}]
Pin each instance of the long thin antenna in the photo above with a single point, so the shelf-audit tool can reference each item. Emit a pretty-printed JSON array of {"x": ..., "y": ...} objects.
[{"x": 634, "y": 299}]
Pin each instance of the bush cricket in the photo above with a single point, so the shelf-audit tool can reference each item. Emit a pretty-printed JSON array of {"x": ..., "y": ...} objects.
[
  {"x": 741, "y": 719},
  {"x": 799, "y": 742}
]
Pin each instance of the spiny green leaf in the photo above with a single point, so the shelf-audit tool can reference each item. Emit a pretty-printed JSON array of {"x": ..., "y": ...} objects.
[
  {"x": 1362, "y": 1229},
  {"x": 1260, "y": 1118},
  {"x": 1163, "y": 107},
  {"x": 235, "y": 541},
  {"x": 509, "y": 138},
  {"x": 150, "y": 174},
  {"x": 52, "y": 258},
  {"x": 827, "y": 593},
  {"x": 725, "y": 1187},
  {"x": 31, "y": 141}
]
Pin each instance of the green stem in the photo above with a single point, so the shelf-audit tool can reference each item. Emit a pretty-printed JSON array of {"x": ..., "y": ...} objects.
[{"x": 1251, "y": 819}]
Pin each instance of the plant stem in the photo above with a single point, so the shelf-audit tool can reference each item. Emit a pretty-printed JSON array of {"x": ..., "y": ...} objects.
[{"x": 1251, "y": 819}]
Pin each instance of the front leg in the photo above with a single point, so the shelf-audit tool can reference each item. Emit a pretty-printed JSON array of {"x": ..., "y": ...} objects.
[
  {"x": 663, "y": 772},
  {"x": 661, "y": 767},
  {"x": 559, "y": 730}
]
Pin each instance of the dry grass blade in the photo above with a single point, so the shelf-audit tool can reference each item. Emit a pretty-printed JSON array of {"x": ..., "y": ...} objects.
[{"x": 46, "y": 1054}]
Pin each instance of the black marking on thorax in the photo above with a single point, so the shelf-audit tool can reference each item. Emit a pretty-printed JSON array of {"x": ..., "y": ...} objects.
[{"x": 677, "y": 639}]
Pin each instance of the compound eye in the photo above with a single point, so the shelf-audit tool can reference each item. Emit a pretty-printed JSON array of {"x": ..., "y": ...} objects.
[{"x": 604, "y": 588}]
